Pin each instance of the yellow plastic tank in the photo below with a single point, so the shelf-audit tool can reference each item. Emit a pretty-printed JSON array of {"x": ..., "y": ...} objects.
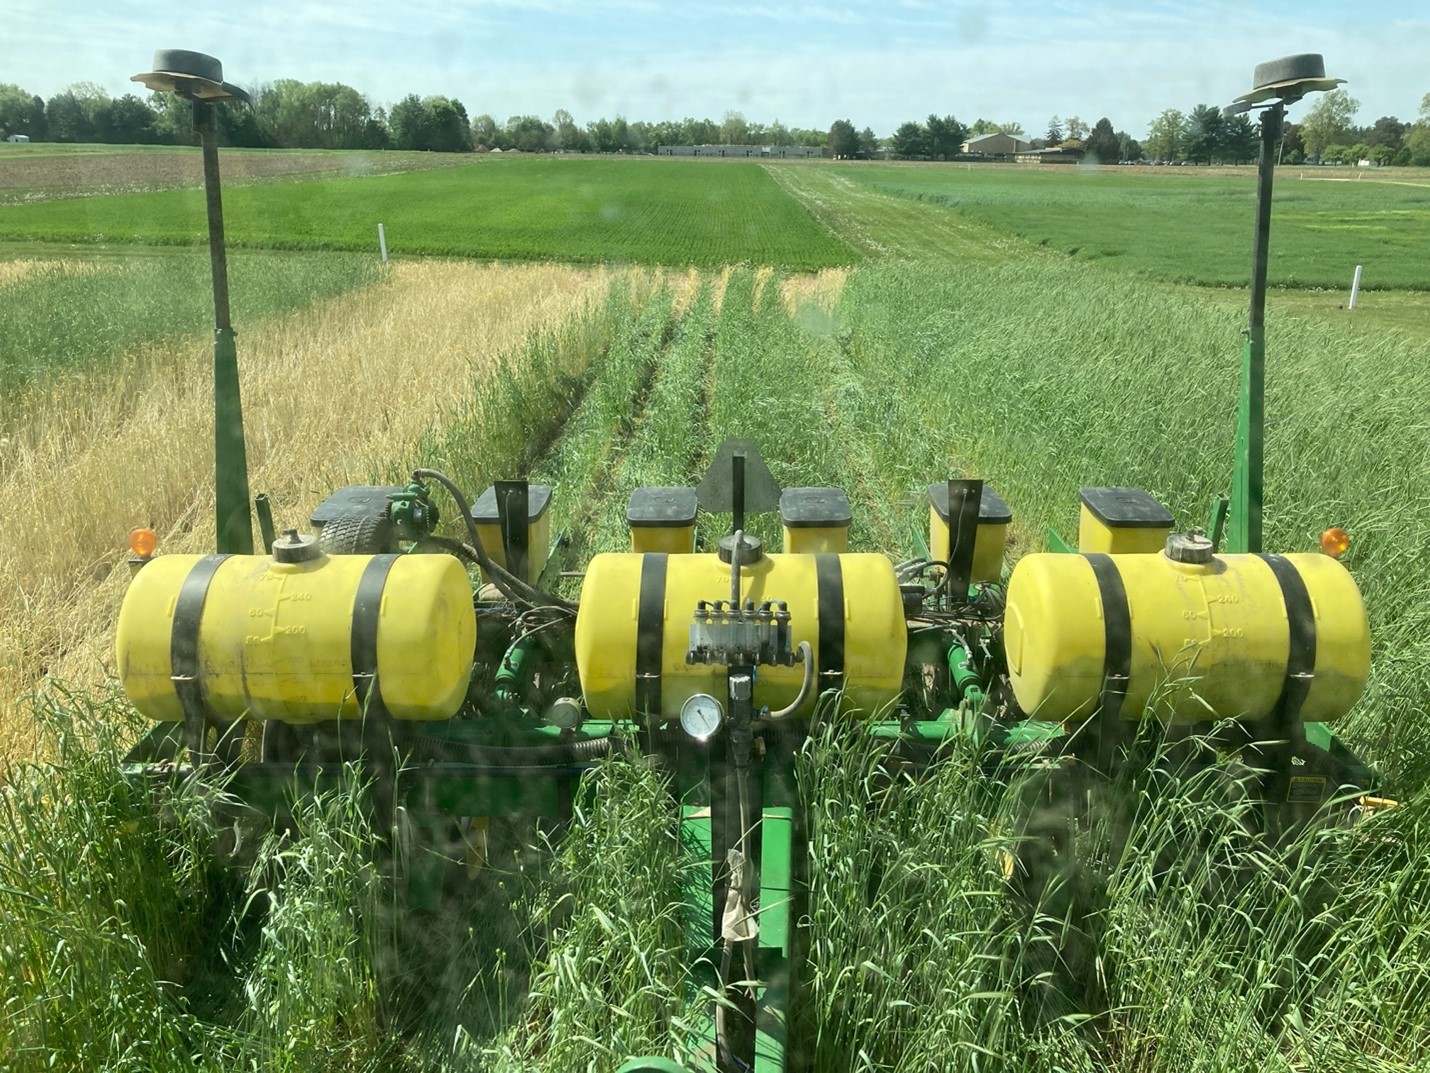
[
  {"x": 1121, "y": 521},
  {"x": 815, "y": 520},
  {"x": 275, "y": 640},
  {"x": 633, "y": 629},
  {"x": 994, "y": 518},
  {"x": 662, "y": 519},
  {"x": 538, "y": 529},
  {"x": 1211, "y": 640}
]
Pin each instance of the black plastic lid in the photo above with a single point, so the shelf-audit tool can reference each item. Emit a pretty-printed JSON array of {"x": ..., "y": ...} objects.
[
  {"x": 538, "y": 498},
  {"x": 1125, "y": 508},
  {"x": 991, "y": 508},
  {"x": 356, "y": 500},
  {"x": 661, "y": 508},
  {"x": 815, "y": 508}
]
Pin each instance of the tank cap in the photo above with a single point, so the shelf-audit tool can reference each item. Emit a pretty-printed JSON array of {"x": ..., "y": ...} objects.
[
  {"x": 751, "y": 549},
  {"x": 1189, "y": 547},
  {"x": 293, "y": 547}
]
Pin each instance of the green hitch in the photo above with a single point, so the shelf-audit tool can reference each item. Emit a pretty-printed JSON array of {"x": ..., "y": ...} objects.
[
  {"x": 966, "y": 680},
  {"x": 512, "y": 676}
]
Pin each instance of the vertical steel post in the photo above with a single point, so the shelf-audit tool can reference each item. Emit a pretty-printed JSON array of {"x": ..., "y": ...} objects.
[
  {"x": 233, "y": 521},
  {"x": 1244, "y": 527}
]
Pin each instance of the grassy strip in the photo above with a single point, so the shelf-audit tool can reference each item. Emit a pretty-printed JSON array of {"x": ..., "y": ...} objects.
[
  {"x": 582, "y": 466},
  {"x": 645, "y": 211},
  {"x": 883, "y": 225},
  {"x": 1184, "y": 228},
  {"x": 664, "y": 448},
  {"x": 59, "y": 319},
  {"x": 764, "y": 387}
]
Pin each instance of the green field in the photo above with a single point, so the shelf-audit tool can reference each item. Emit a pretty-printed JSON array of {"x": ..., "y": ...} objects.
[
  {"x": 1189, "y": 228},
  {"x": 665, "y": 212},
  {"x": 952, "y": 347}
]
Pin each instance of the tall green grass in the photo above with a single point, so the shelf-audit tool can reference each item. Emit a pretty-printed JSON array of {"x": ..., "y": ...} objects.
[
  {"x": 106, "y": 901},
  {"x": 66, "y": 317},
  {"x": 610, "y": 977},
  {"x": 1104, "y": 379}
]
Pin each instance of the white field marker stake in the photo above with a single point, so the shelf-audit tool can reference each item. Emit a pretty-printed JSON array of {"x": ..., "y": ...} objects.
[
  {"x": 1355, "y": 288},
  {"x": 382, "y": 242}
]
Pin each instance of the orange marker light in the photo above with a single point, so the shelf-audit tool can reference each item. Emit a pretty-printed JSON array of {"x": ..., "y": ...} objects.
[
  {"x": 1335, "y": 541},
  {"x": 142, "y": 542}
]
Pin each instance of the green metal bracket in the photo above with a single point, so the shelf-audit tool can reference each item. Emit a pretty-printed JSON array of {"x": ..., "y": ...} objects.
[
  {"x": 266, "y": 533},
  {"x": 921, "y": 545},
  {"x": 1057, "y": 544},
  {"x": 1216, "y": 521}
]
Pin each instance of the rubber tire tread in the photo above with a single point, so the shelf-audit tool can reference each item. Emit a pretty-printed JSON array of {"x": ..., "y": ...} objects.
[{"x": 357, "y": 535}]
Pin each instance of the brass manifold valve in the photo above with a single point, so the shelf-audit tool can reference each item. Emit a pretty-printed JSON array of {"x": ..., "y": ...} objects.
[{"x": 727, "y": 634}]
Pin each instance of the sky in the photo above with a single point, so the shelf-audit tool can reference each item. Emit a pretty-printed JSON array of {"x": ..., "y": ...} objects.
[{"x": 875, "y": 62}]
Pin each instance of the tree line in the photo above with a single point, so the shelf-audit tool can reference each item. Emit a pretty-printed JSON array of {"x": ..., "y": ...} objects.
[
  {"x": 1326, "y": 134},
  {"x": 290, "y": 114}
]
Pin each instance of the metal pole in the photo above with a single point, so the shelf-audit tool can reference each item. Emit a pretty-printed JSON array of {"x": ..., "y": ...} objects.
[
  {"x": 233, "y": 521},
  {"x": 1244, "y": 528}
]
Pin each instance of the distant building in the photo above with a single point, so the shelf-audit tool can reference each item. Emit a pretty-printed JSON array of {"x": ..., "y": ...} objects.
[
  {"x": 766, "y": 152},
  {"x": 1057, "y": 154},
  {"x": 996, "y": 145},
  {"x": 18, "y": 138}
]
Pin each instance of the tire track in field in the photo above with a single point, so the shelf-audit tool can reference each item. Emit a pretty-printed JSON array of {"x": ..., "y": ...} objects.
[
  {"x": 882, "y": 225},
  {"x": 844, "y": 390}
]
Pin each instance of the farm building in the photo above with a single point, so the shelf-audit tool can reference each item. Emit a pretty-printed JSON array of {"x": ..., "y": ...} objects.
[
  {"x": 768, "y": 151},
  {"x": 1057, "y": 154},
  {"x": 996, "y": 145},
  {"x": 18, "y": 138}
]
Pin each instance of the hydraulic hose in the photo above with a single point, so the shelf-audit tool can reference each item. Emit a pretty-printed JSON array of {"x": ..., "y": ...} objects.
[{"x": 808, "y": 659}]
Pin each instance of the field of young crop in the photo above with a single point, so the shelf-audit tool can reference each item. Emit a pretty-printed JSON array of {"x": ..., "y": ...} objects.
[
  {"x": 126, "y": 946},
  {"x": 644, "y": 211},
  {"x": 1191, "y": 227}
]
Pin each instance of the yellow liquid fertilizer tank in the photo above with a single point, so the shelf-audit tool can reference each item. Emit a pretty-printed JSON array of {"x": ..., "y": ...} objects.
[
  {"x": 1214, "y": 639},
  {"x": 283, "y": 640},
  {"x": 633, "y": 629}
]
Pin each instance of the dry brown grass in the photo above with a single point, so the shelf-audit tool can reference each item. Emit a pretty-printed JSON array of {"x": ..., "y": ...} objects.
[
  {"x": 822, "y": 289},
  {"x": 333, "y": 395}
]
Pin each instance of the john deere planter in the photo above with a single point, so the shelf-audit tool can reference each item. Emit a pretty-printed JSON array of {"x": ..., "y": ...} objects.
[{"x": 447, "y": 668}]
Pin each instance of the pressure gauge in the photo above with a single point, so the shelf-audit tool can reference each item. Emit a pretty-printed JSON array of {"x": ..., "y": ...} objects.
[{"x": 701, "y": 716}]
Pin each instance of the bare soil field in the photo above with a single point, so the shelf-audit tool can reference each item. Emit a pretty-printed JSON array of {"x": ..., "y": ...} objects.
[{"x": 44, "y": 174}]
